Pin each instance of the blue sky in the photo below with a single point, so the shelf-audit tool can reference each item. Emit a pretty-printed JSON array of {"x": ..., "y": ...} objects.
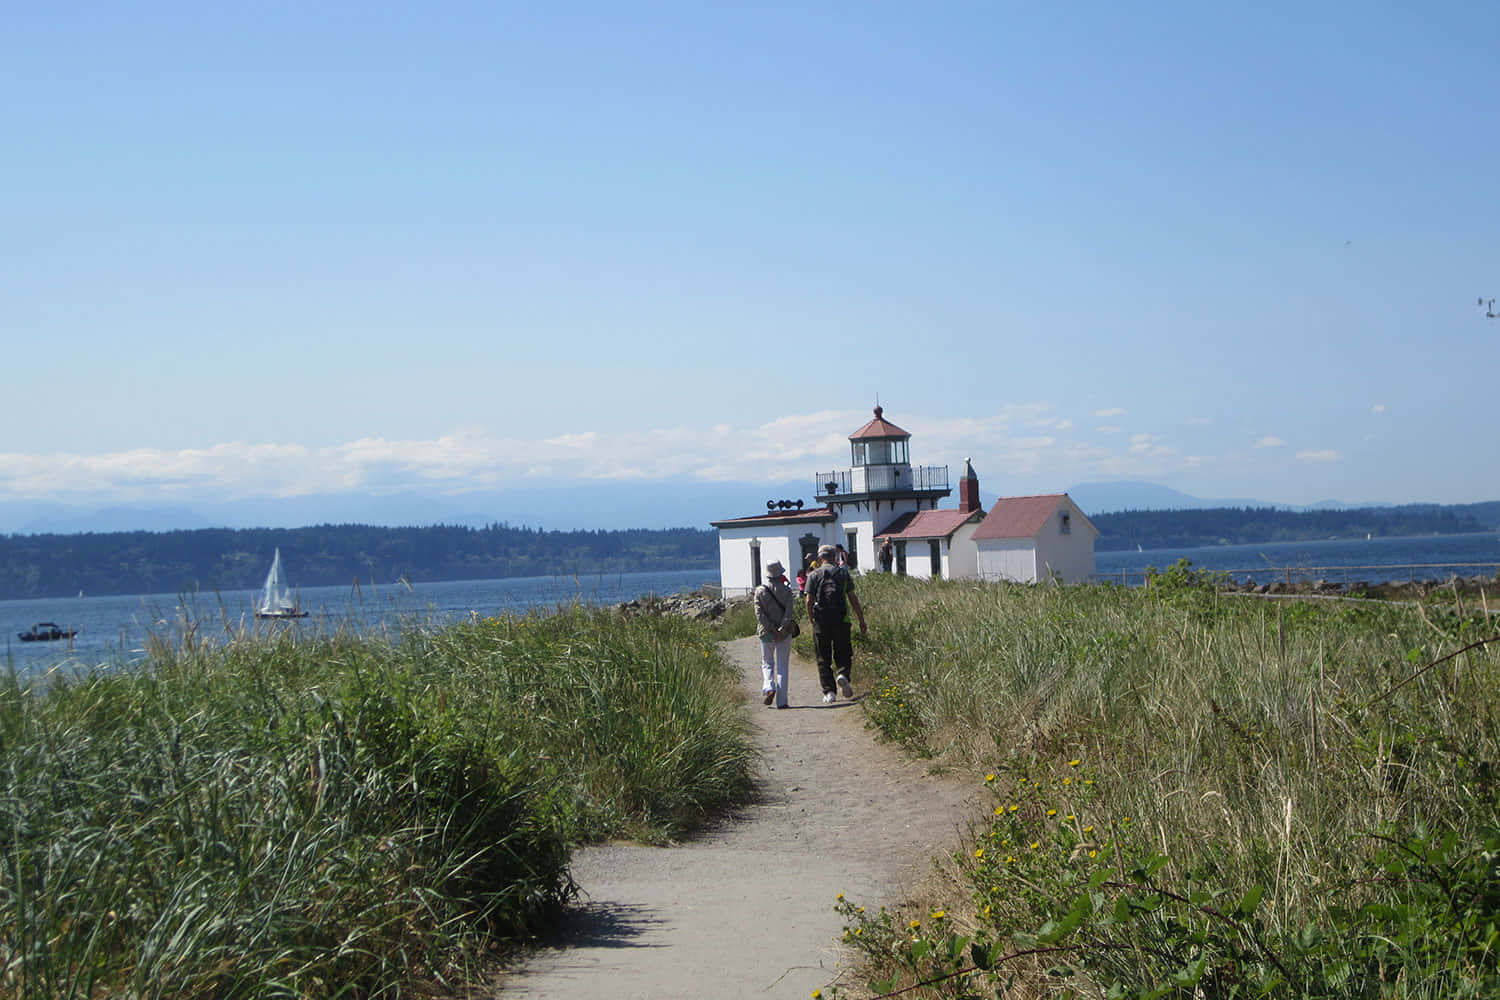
[{"x": 336, "y": 249}]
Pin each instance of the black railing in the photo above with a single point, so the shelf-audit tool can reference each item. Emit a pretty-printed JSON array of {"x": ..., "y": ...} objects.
[{"x": 881, "y": 478}]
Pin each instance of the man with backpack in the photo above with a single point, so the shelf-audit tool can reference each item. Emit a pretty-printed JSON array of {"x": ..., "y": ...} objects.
[{"x": 830, "y": 596}]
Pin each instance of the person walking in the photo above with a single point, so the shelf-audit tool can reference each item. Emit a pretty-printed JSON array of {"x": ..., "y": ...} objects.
[
  {"x": 776, "y": 623},
  {"x": 830, "y": 597},
  {"x": 887, "y": 554}
]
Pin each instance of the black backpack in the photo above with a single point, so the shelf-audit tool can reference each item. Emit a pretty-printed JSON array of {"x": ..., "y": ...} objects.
[{"x": 828, "y": 604}]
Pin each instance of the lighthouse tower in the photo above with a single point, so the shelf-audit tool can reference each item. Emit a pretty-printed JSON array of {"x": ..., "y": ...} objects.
[
  {"x": 849, "y": 508},
  {"x": 880, "y": 486}
]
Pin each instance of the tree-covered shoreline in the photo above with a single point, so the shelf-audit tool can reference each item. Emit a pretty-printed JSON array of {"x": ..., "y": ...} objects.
[
  {"x": 1161, "y": 529},
  {"x": 210, "y": 559}
]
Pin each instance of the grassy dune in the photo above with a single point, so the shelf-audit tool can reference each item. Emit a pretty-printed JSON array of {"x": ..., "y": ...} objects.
[
  {"x": 1196, "y": 794},
  {"x": 338, "y": 816}
]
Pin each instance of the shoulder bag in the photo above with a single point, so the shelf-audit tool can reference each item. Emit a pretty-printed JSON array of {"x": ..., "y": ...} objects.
[{"x": 796, "y": 629}]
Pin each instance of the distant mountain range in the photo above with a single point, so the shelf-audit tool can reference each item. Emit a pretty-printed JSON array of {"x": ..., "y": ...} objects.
[
  {"x": 562, "y": 507},
  {"x": 1102, "y": 498},
  {"x": 559, "y": 507}
]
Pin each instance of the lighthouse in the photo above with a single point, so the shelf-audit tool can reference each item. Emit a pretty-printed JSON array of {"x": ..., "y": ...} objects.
[
  {"x": 849, "y": 508},
  {"x": 879, "y": 486}
]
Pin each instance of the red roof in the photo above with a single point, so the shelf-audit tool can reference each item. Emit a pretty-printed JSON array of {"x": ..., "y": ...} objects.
[
  {"x": 878, "y": 428},
  {"x": 927, "y": 524},
  {"x": 811, "y": 515},
  {"x": 1018, "y": 517}
]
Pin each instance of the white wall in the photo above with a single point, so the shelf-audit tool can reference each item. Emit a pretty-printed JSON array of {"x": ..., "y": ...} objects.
[
  {"x": 735, "y": 574},
  {"x": 1007, "y": 559},
  {"x": 963, "y": 555},
  {"x": 1067, "y": 558}
]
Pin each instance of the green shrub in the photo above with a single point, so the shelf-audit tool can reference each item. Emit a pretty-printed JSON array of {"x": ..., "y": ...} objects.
[
  {"x": 340, "y": 816},
  {"x": 1197, "y": 793}
]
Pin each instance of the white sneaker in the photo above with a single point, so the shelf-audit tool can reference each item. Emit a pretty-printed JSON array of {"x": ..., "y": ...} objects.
[
  {"x": 844, "y": 688},
  {"x": 828, "y": 698}
]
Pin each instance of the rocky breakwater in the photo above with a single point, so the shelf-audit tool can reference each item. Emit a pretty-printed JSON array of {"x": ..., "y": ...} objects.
[
  {"x": 1388, "y": 590},
  {"x": 700, "y": 606}
]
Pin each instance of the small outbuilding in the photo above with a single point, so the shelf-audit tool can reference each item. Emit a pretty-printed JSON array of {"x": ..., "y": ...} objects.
[{"x": 1036, "y": 539}]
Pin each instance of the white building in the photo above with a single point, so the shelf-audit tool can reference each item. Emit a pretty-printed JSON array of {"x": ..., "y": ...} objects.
[
  {"x": 881, "y": 486},
  {"x": 882, "y": 496},
  {"x": 1035, "y": 539},
  {"x": 938, "y": 544}
]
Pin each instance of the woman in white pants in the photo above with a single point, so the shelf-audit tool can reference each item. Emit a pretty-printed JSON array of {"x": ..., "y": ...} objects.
[{"x": 776, "y": 619}]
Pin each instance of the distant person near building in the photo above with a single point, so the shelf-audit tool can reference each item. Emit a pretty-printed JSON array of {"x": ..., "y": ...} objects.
[
  {"x": 887, "y": 555},
  {"x": 830, "y": 597}
]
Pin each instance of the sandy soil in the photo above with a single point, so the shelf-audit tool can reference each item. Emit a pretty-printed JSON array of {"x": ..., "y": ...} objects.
[{"x": 746, "y": 909}]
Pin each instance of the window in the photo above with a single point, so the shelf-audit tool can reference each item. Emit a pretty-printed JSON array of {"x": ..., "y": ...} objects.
[
  {"x": 755, "y": 563},
  {"x": 861, "y": 453},
  {"x": 850, "y": 539},
  {"x": 935, "y": 553},
  {"x": 1067, "y": 525}
]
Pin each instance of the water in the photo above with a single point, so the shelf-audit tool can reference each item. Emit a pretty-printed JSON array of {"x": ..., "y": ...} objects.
[
  {"x": 1343, "y": 560},
  {"x": 115, "y": 629}
]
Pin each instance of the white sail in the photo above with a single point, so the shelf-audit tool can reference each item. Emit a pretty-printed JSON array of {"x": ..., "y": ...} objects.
[{"x": 274, "y": 600}]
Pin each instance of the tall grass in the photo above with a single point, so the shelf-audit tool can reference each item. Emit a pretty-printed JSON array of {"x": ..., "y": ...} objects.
[
  {"x": 1178, "y": 750},
  {"x": 337, "y": 816}
]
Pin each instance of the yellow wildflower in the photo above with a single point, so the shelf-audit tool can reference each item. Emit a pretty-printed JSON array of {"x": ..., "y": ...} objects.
[
  {"x": 989, "y": 778},
  {"x": 979, "y": 853},
  {"x": 1074, "y": 763},
  {"x": 915, "y": 924}
]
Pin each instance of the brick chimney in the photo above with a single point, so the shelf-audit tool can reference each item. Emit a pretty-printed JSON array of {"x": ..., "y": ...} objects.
[{"x": 968, "y": 489}]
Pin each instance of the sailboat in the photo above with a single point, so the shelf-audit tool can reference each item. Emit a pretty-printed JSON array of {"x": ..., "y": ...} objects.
[{"x": 274, "y": 601}]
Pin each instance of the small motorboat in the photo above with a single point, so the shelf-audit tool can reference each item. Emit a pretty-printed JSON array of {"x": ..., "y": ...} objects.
[{"x": 47, "y": 632}]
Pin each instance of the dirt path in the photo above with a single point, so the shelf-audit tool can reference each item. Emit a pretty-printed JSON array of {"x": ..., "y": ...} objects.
[{"x": 746, "y": 909}]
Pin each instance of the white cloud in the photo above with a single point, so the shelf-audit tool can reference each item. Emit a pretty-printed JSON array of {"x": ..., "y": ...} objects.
[
  {"x": 1109, "y": 429},
  {"x": 1146, "y": 445},
  {"x": 1019, "y": 446},
  {"x": 1378, "y": 408},
  {"x": 1270, "y": 441},
  {"x": 1114, "y": 411},
  {"x": 1325, "y": 455}
]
